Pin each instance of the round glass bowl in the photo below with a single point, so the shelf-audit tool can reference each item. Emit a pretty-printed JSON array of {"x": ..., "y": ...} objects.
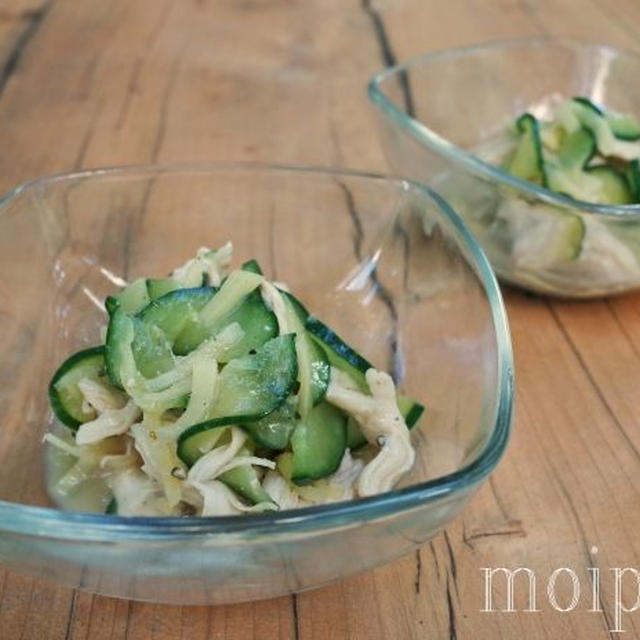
[
  {"x": 385, "y": 262},
  {"x": 444, "y": 117}
]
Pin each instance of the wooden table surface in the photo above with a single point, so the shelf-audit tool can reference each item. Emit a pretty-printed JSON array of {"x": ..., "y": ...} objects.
[{"x": 85, "y": 83}]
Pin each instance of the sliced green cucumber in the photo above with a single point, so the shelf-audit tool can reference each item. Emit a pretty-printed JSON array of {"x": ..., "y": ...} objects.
[
  {"x": 232, "y": 292},
  {"x": 613, "y": 185},
  {"x": 576, "y": 149},
  {"x": 151, "y": 350},
  {"x": 355, "y": 439},
  {"x": 633, "y": 177},
  {"x": 274, "y": 430},
  {"x": 154, "y": 329},
  {"x": 244, "y": 480},
  {"x": 249, "y": 388},
  {"x": 313, "y": 363},
  {"x": 527, "y": 162},
  {"x": 252, "y": 266},
  {"x": 411, "y": 411},
  {"x": 235, "y": 301},
  {"x": 112, "y": 507},
  {"x": 318, "y": 443},
  {"x": 591, "y": 117},
  {"x": 120, "y": 325},
  {"x": 158, "y": 287},
  {"x": 256, "y": 320},
  {"x": 349, "y": 361},
  {"x": 172, "y": 312},
  {"x": 588, "y": 105},
  {"x": 340, "y": 354},
  {"x": 65, "y": 397},
  {"x": 623, "y": 126},
  {"x": 131, "y": 299}
]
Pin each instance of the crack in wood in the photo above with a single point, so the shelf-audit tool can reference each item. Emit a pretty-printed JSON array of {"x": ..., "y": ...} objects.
[
  {"x": 358, "y": 233},
  {"x": 591, "y": 379},
  {"x": 34, "y": 21},
  {"x": 435, "y": 559},
  {"x": 585, "y": 545},
  {"x": 72, "y": 613},
  {"x": 622, "y": 328},
  {"x": 452, "y": 563},
  {"x": 132, "y": 89},
  {"x": 388, "y": 56},
  {"x": 86, "y": 139},
  {"x": 296, "y": 619},
  {"x": 453, "y": 634},
  {"x": 418, "y": 578},
  {"x": 513, "y": 528},
  {"x": 396, "y": 360}
]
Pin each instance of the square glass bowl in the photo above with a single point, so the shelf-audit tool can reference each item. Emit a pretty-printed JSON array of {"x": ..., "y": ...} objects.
[
  {"x": 443, "y": 122},
  {"x": 419, "y": 300}
]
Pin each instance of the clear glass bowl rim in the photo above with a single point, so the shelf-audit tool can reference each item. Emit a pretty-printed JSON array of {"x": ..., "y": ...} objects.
[
  {"x": 69, "y": 526},
  {"x": 432, "y": 140}
]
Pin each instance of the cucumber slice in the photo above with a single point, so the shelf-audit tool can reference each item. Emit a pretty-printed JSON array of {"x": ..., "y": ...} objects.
[
  {"x": 343, "y": 357},
  {"x": 249, "y": 388},
  {"x": 623, "y": 126},
  {"x": 411, "y": 411},
  {"x": 158, "y": 287},
  {"x": 112, "y": 507},
  {"x": 613, "y": 185},
  {"x": 588, "y": 105},
  {"x": 274, "y": 430},
  {"x": 131, "y": 299},
  {"x": 252, "y": 266},
  {"x": 591, "y": 117},
  {"x": 527, "y": 162},
  {"x": 355, "y": 439},
  {"x": 235, "y": 301},
  {"x": 117, "y": 335},
  {"x": 172, "y": 312},
  {"x": 65, "y": 397},
  {"x": 576, "y": 150},
  {"x": 633, "y": 178},
  {"x": 244, "y": 480},
  {"x": 256, "y": 320},
  {"x": 339, "y": 353},
  {"x": 313, "y": 363},
  {"x": 318, "y": 443}
]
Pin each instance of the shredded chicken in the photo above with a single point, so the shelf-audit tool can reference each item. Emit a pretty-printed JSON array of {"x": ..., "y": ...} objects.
[
  {"x": 136, "y": 494},
  {"x": 282, "y": 492},
  {"x": 160, "y": 460},
  {"x": 211, "y": 464},
  {"x": 347, "y": 475},
  {"x": 212, "y": 263},
  {"x": 219, "y": 500},
  {"x": 100, "y": 397},
  {"x": 112, "y": 422},
  {"x": 273, "y": 299},
  {"x": 382, "y": 425}
]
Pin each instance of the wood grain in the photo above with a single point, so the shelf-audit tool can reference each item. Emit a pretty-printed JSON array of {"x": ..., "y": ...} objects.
[{"x": 133, "y": 81}]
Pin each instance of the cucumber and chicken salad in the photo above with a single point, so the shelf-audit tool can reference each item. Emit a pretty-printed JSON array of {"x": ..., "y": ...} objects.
[
  {"x": 216, "y": 392},
  {"x": 586, "y": 153}
]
